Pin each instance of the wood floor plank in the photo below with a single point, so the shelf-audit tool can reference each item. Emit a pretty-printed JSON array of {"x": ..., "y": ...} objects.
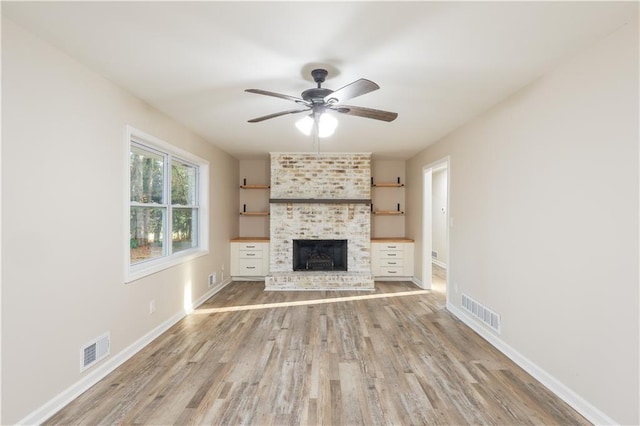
[{"x": 315, "y": 358}]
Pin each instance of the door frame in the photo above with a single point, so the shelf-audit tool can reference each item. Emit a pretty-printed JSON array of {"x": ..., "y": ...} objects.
[{"x": 427, "y": 220}]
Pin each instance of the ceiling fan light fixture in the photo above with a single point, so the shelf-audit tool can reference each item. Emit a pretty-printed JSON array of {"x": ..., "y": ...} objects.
[
  {"x": 305, "y": 124},
  {"x": 327, "y": 125}
]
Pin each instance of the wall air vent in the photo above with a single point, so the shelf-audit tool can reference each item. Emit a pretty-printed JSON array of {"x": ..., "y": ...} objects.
[
  {"x": 94, "y": 351},
  {"x": 480, "y": 311}
]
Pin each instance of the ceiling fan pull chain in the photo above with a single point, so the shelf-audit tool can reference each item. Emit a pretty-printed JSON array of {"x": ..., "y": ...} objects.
[{"x": 316, "y": 133}]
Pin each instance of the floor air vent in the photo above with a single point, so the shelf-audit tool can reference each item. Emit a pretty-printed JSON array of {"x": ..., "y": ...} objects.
[
  {"x": 94, "y": 351},
  {"x": 478, "y": 310}
]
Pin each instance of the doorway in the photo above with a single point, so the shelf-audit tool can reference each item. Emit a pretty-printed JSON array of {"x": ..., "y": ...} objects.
[{"x": 435, "y": 241}]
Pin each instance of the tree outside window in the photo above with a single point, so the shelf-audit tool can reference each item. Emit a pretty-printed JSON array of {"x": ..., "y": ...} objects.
[{"x": 153, "y": 218}]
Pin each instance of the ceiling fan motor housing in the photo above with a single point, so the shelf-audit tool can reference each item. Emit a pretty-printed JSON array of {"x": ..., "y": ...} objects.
[{"x": 316, "y": 95}]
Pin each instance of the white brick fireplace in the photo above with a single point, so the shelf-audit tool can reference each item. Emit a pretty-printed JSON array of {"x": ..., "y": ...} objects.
[{"x": 323, "y": 196}]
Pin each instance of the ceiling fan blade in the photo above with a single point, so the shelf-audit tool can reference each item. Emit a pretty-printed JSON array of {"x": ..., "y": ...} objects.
[
  {"x": 277, "y": 114},
  {"x": 277, "y": 95},
  {"x": 351, "y": 90},
  {"x": 376, "y": 114}
]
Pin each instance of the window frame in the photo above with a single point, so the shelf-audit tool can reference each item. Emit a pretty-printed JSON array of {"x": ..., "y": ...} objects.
[{"x": 171, "y": 153}]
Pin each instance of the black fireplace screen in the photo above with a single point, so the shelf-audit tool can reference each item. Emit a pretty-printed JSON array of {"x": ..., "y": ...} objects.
[{"x": 319, "y": 255}]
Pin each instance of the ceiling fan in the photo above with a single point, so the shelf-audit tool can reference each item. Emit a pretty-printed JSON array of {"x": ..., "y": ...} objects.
[{"x": 320, "y": 99}]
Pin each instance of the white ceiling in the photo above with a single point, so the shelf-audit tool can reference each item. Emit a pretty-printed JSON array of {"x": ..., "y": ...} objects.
[{"x": 439, "y": 64}]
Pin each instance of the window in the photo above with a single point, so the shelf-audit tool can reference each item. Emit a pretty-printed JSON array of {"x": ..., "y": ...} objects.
[{"x": 167, "y": 205}]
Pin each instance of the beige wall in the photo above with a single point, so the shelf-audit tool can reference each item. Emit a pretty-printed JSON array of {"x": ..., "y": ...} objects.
[
  {"x": 63, "y": 173},
  {"x": 535, "y": 183}
]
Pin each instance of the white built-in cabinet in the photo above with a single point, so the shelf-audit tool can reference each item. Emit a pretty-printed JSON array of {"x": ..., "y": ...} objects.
[
  {"x": 392, "y": 258},
  {"x": 249, "y": 257}
]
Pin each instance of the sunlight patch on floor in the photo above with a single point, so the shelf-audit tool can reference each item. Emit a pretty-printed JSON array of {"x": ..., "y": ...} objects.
[{"x": 207, "y": 311}]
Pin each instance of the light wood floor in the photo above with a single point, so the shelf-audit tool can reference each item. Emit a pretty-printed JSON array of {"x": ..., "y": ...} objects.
[{"x": 393, "y": 356}]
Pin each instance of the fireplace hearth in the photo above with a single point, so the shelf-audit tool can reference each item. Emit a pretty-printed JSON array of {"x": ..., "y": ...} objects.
[{"x": 319, "y": 255}]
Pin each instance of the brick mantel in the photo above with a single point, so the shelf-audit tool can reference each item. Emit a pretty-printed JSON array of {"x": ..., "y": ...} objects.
[{"x": 307, "y": 188}]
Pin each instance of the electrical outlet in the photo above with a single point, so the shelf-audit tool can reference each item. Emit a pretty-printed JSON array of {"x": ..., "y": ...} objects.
[
  {"x": 212, "y": 279},
  {"x": 152, "y": 306}
]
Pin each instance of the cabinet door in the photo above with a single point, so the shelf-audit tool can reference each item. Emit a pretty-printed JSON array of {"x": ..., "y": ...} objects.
[
  {"x": 389, "y": 271},
  {"x": 391, "y": 246},
  {"x": 390, "y": 262},
  {"x": 250, "y": 246},
  {"x": 250, "y": 254},
  {"x": 250, "y": 267},
  {"x": 391, "y": 254}
]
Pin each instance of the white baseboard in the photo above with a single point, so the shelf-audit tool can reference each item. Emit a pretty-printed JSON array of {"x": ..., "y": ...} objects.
[
  {"x": 54, "y": 405},
  {"x": 414, "y": 280},
  {"x": 439, "y": 263},
  {"x": 578, "y": 403},
  {"x": 381, "y": 278},
  {"x": 236, "y": 278},
  {"x": 213, "y": 290}
]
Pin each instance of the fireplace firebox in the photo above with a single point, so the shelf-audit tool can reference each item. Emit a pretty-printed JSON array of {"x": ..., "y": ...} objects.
[{"x": 319, "y": 255}]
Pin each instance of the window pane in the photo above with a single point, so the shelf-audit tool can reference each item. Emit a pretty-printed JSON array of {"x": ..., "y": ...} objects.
[
  {"x": 183, "y": 184},
  {"x": 146, "y": 233},
  {"x": 185, "y": 229},
  {"x": 147, "y": 176}
]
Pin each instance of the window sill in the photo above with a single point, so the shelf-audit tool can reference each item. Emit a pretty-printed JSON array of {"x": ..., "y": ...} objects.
[{"x": 154, "y": 266}]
